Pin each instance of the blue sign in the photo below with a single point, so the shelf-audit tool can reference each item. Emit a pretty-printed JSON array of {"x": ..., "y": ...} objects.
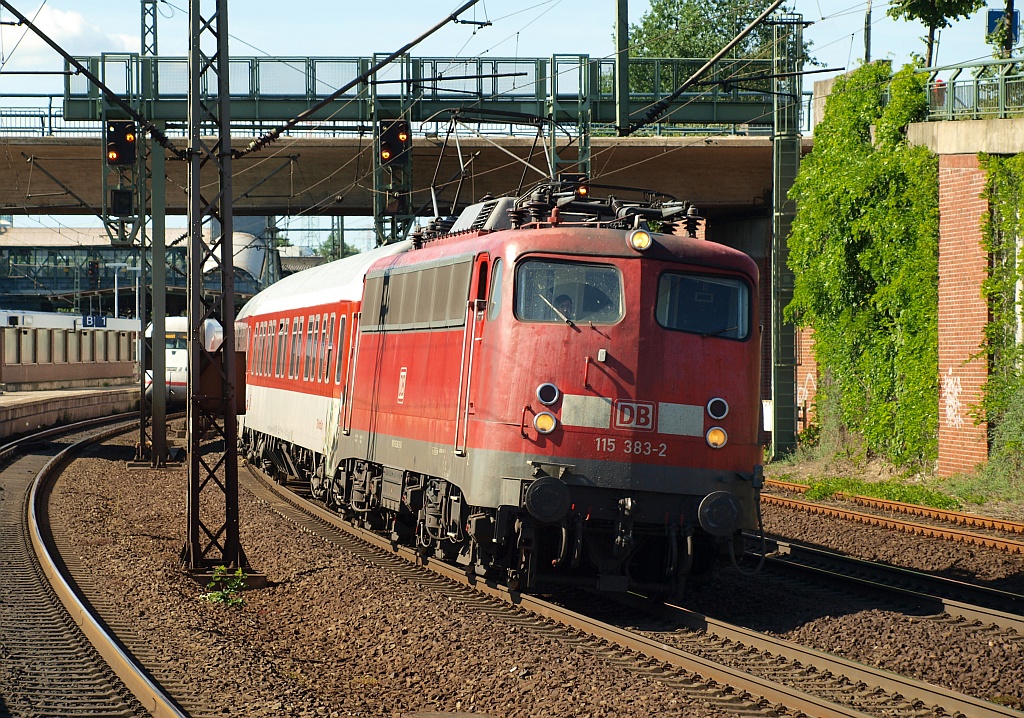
[
  {"x": 90, "y": 321},
  {"x": 995, "y": 17}
]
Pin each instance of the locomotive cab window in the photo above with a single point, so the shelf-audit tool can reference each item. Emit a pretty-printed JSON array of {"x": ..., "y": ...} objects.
[
  {"x": 709, "y": 306},
  {"x": 556, "y": 291}
]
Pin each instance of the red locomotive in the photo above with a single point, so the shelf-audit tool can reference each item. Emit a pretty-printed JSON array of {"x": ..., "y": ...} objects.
[{"x": 544, "y": 390}]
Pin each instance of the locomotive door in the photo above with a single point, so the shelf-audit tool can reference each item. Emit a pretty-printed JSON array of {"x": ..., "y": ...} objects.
[{"x": 472, "y": 337}]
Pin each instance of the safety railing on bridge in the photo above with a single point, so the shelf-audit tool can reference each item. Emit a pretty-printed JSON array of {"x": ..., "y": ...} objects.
[
  {"x": 990, "y": 89},
  {"x": 276, "y": 88}
]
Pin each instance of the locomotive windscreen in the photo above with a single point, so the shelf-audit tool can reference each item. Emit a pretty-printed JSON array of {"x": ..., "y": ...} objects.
[
  {"x": 710, "y": 306},
  {"x": 580, "y": 292}
]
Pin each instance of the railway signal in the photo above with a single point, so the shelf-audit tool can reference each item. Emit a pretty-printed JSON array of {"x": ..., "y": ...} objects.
[
  {"x": 395, "y": 142},
  {"x": 120, "y": 143}
]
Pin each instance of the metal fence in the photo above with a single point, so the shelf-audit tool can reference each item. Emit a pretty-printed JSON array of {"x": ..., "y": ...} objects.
[{"x": 992, "y": 89}]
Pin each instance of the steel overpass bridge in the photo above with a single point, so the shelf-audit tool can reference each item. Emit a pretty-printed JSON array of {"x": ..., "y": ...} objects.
[{"x": 730, "y": 144}]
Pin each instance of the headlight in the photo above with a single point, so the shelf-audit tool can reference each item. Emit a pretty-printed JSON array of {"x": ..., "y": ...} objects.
[
  {"x": 716, "y": 437},
  {"x": 640, "y": 239},
  {"x": 718, "y": 408},
  {"x": 545, "y": 422},
  {"x": 547, "y": 394}
]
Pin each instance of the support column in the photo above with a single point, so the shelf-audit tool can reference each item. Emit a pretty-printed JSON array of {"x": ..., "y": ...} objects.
[{"x": 963, "y": 313}]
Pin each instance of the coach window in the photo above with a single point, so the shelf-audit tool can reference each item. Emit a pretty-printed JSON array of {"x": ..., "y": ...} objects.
[
  {"x": 328, "y": 347},
  {"x": 709, "y": 306},
  {"x": 312, "y": 332},
  {"x": 282, "y": 342},
  {"x": 296, "y": 351},
  {"x": 494, "y": 302},
  {"x": 262, "y": 363},
  {"x": 252, "y": 358},
  {"x": 340, "y": 354},
  {"x": 554, "y": 291},
  {"x": 268, "y": 355}
]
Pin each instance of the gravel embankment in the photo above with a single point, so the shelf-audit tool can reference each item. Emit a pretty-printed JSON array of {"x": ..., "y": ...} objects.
[{"x": 331, "y": 635}]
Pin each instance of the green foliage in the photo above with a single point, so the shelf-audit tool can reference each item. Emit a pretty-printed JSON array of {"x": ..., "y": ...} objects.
[
  {"x": 699, "y": 28},
  {"x": 332, "y": 248},
  {"x": 864, "y": 249},
  {"x": 891, "y": 490},
  {"x": 1002, "y": 404},
  {"x": 226, "y": 587},
  {"x": 934, "y": 14}
]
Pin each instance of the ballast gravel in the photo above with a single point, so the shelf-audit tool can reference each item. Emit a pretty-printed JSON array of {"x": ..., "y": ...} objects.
[{"x": 332, "y": 635}]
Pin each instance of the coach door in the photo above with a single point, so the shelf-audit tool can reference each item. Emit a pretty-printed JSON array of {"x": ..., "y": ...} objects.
[{"x": 472, "y": 337}]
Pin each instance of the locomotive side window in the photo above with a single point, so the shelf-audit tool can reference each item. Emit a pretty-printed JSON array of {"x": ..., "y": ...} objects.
[
  {"x": 372, "y": 296},
  {"x": 461, "y": 274},
  {"x": 427, "y": 297},
  {"x": 709, "y": 306},
  {"x": 554, "y": 291},
  {"x": 494, "y": 302}
]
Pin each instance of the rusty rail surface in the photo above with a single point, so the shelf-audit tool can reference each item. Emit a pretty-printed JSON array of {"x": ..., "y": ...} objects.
[
  {"x": 910, "y": 527},
  {"x": 953, "y": 517}
]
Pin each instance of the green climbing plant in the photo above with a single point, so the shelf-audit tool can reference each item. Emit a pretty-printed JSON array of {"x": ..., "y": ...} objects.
[
  {"x": 1002, "y": 405},
  {"x": 864, "y": 249}
]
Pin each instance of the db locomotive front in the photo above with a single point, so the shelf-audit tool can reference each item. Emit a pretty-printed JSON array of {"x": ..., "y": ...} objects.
[{"x": 550, "y": 389}]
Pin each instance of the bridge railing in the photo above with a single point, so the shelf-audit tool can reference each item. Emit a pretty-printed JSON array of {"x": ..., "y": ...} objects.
[
  {"x": 277, "y": 88},
  {"x": 990, "y": 89}
]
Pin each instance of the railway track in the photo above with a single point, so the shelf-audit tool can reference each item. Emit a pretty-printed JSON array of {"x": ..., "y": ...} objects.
[
  {"x": 741, "y": 672},
  {"x": 935, "y": 523},
  {"x": 88, "y": 662},
  {"x": 936, "y": 594}
]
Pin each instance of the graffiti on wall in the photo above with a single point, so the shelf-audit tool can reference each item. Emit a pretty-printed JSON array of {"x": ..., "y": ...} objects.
[{"x": 951, "y": 391}]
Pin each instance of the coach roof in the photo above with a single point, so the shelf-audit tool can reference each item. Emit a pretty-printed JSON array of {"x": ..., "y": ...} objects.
[{"x": 341, "y": 280}]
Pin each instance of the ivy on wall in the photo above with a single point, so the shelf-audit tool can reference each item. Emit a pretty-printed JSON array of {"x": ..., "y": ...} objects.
[
  {"x": 1003, "y": 401},
  {"x": 864, "y": 249}
]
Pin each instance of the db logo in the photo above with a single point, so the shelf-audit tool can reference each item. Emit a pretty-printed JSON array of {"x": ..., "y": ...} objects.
[{"x": 635, "y": 415}]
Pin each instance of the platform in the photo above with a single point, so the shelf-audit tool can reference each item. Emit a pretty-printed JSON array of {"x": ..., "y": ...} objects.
[{"x": 25, "y": 411}]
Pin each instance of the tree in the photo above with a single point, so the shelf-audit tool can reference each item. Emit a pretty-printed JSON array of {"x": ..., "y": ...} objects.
[
  {"x": 699, "y": 28},
  {"x": 934, "y": 14},
  {"x": 332, "y": 248}
]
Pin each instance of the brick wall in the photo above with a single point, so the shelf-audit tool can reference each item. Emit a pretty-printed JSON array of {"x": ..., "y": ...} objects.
[
  {"x": 806, "y": 377},
  {"x": 962, "y": 313}
]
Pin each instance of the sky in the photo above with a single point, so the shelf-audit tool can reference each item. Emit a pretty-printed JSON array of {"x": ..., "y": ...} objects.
[
  {"x": 519, "y": 28},
  {"x": 523, "y": 28}
]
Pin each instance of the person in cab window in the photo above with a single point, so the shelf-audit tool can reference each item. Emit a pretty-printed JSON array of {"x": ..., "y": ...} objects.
[{"x": 563, "y": 303}]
